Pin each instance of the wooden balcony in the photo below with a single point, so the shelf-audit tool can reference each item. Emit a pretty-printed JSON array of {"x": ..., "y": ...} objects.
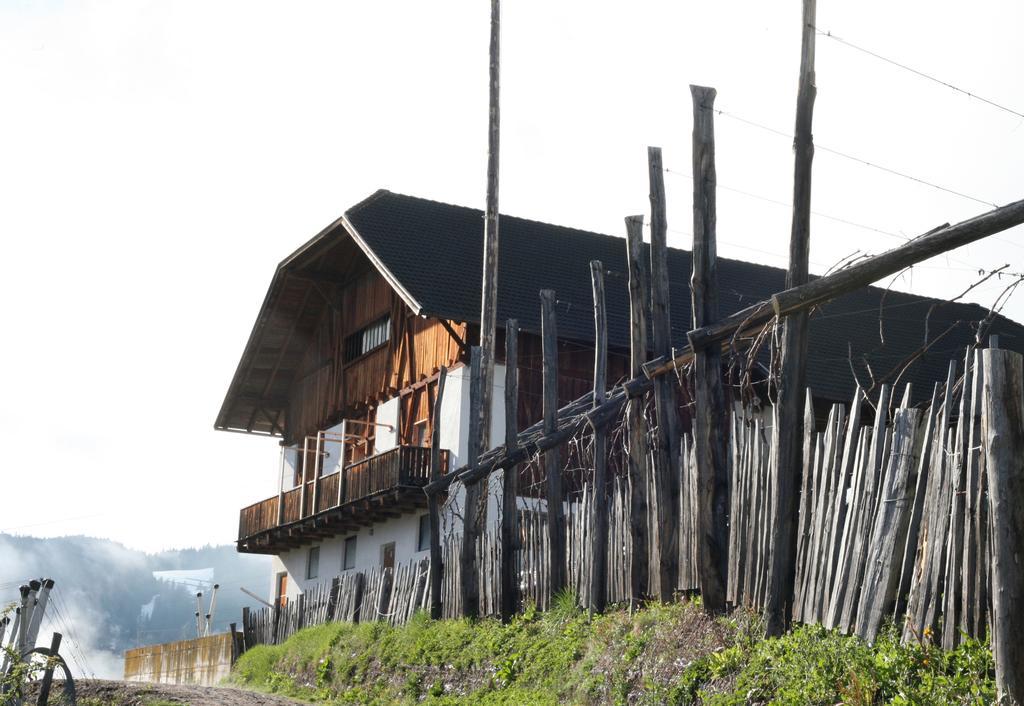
[{"x": 374, "y": 489}]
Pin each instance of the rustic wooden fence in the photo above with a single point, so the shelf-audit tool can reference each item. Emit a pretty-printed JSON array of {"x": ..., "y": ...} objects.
[{"x": 892, "y": 526}]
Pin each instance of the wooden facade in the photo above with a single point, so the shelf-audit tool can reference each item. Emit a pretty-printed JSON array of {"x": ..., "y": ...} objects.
[{"x": 328, "y": 387}]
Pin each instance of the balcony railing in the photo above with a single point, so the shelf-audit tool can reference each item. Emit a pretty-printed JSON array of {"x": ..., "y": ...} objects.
[{"x": 401, "y": 468}]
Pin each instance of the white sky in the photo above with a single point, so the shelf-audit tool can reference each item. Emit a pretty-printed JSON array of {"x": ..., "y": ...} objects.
[{"x": 157, "y": 159}]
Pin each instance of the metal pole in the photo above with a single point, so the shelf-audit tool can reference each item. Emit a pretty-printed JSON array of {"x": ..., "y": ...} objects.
[
  {"x": 37, "y": 614},
  {"x": 341, "y": 466},
  {"x": 280, "y": 491},
  {"x": 213, "y": 608},
  {"x": 199, "y": 612}
]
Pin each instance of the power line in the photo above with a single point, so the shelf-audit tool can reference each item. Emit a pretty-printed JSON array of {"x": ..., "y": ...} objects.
[
  {"x": 859, "y": 160},
  {"x": 918, "y": 72},
  {"x": 768, "y": 199},
  {"x": 968, "y": 267}
]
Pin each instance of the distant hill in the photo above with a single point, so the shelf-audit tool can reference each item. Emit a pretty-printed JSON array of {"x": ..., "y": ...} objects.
[{"x": 106, "y": 598}]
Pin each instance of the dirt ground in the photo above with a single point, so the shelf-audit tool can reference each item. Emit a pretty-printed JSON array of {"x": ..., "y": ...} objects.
[{"x": 117, "y": 693}]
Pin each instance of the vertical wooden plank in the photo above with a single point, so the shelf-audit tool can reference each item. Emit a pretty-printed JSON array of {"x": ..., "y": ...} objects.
[
  {"x": 932, "y": 542},
  {"x": 806, "y": 508},
  {"x": 553, "y": 456},
  {"x": 510, "y": 478},
  {"x": 638, "y": 452},
  {"x": 919, "y": 481},
  {"x": 489, "y": 287},
  {"x": 1003, "y": 438},
  {"x": 599, "y": 543},
  {"x": 666, "y": 464},
  {"x": 865, "y": 502},
  {"x": 709, "y": 413},
  {"x": 792, "y": 380},
  {"x": 881, "y": 572},
  {"x": 433, "y": 502},
  {"x": 469, "y": 586}
]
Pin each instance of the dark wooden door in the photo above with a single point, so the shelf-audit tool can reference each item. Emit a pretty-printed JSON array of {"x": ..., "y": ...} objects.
[
  {"x": 282, "y": 590},
  {"x": 387, "y": 555}
]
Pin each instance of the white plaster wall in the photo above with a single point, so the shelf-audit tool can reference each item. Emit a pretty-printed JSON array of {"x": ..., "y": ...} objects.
[
  {"x": 290, "y": 465},
  {"x": 454, "y": 434},
  {"x": 387, "y": 413},
  {"x": 403, "y": 531}
]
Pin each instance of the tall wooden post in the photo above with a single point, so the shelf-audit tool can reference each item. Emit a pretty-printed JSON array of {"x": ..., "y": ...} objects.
[
  {"x": 666, "y": 453},
  {"x": 788, "y": 430},
  {"x": 433, "y": 503},
  {"x": 489, "y": 289},
  {"x": 599, "y": 563},
  {"x": 509, "y": 578},
  {"x": 1003, "y": 437},
  {"x": 469, "y": 585},
  {"x": 710, "y": 420},
  {"x": 638, "y": 457},
  {"x": 553, "y": 456}
]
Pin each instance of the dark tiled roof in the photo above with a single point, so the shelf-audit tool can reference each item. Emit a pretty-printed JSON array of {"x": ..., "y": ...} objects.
[{"x": 434, "y": 251}]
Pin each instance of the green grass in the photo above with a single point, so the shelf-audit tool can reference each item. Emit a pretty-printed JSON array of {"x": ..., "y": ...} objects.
[{"x": 660, "y": 655}]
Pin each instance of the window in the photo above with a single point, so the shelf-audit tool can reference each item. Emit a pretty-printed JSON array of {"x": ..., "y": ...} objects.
[
  {"x": 423, "y": 541},
  {"x": 313, "y": 563},
  {"x": 349, "y": 560},
  {"x": 368, "y": 338}
]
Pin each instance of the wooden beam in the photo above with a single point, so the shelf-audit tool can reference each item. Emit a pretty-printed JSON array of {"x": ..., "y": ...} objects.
[
  {"x": 639, "y": 452},
  {"x": 599, "y": 547},
  {"x": 469, "y": 586},
  {"x": 710, "y": 416},
  {"x": 553, "y": 455},
  {"x": 509, "y": 577},
  {"x": 433, "y": 503},
  {"x": 666, "y": 448},
  {"x": 787, "y": 432},
  {"x": 1003, "y": 437},
  {"x": 459, "y": 341},
  {"x": 489, "y": 288}
]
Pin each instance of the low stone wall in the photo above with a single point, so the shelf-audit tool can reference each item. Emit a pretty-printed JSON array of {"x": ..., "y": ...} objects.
[{"x": 204, "y": 661}]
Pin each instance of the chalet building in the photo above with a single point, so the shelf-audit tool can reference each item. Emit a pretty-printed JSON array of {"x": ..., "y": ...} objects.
[{"x": 342, "y": 363}]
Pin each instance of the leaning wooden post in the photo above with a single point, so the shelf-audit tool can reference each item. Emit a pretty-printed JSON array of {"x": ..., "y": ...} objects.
[
  {"x": 489, "y": 288},
  {"x": 710, "y": 420},
  {"x": 599, "y": 546},
  {"x": 469, "y": 585},
  {"x": 433, "y": 503},
  {"x": 788, "y": 430},
  {"x": 44, "y": 688},
  {"x": 638, "y": 457},
  {"x": 553, "y": 456},
  {"x": 1003, "y": 437},
  {"x": 666, "y": 456},
  {"x": 509, "y": 578}
]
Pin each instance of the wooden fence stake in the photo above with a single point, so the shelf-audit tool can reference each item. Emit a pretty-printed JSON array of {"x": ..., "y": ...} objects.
[
  {"x": 553, "y": 456},
  {"x": 1003, "y": 436},
  {"x": 638, "y": 452},
  {"x": 710, "y": 417},
  {"x": 433, "y": 503},
  {"x": 509, "y": 579},
  {"x": 44, "y": 688},
  {"x": 666, "y": 456},
  {"x": 599, "y": 545},
  {"x": 468, "y": 583},
  {"x": 792, "y": 381}
]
